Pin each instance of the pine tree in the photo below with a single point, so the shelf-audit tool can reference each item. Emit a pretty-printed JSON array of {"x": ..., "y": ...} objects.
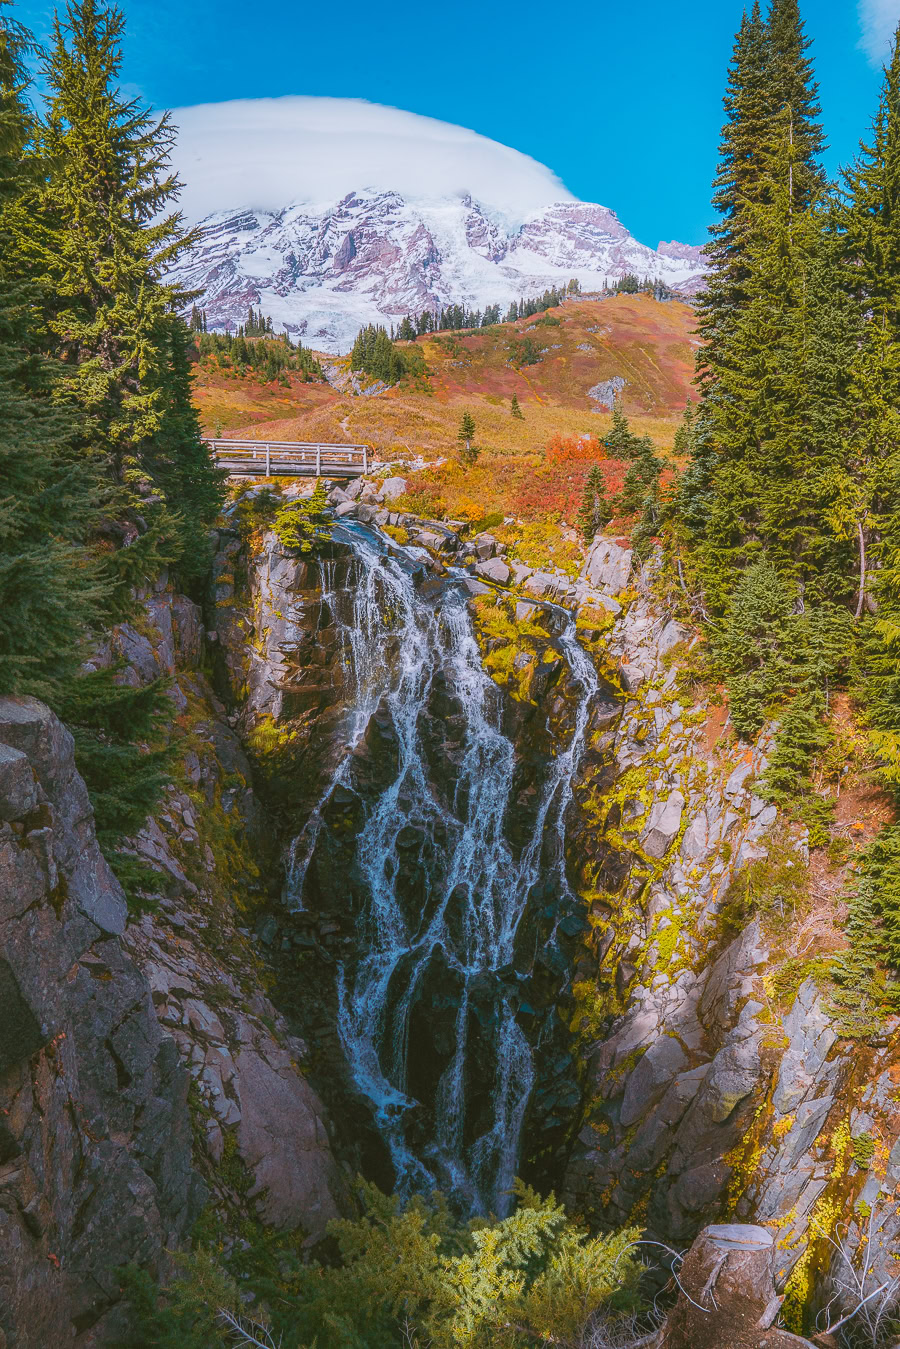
[
  {"x": 465, "y": 435},
  {"x": 106, "y": 243},
  {"x": 514, "y": 408},
  {"x": 595, "y": 512},
  {"x": 737, "y": 187},
  {"x": 51, "y": 499}
]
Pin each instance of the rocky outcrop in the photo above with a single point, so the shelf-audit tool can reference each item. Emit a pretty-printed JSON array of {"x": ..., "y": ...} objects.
[
  {"x": 95, "y": 1138},
  {"x": 209, "y": 841},
  {"x": 718, "y": 1084}
]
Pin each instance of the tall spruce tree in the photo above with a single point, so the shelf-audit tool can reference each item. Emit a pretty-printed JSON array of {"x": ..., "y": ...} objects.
[
  {"x": 107, "y": 236},
  {"x": 738, "y": 186},
  {"x": 51, "y": 586}
]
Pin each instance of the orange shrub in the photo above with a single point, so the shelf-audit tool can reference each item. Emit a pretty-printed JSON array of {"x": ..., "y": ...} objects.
[{"x": 575, "y": 450}]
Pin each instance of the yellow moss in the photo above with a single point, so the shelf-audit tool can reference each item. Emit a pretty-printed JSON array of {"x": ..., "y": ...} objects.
[{"x": 783, "y": 1127}]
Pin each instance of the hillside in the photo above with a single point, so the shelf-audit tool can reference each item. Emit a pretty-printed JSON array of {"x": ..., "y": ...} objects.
[{"x": 583, "y": 344}]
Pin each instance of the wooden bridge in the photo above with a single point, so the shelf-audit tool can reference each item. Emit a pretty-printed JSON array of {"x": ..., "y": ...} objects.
[{"x": 290, "y": 458}]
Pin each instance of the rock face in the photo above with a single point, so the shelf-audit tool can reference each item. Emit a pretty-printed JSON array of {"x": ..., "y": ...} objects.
[
  {"x": 105, "y": 1022},
  {"x": 210, "y": 842},
  {"x": 608, "y": 566},
  {"x": 95, "y": 1138}
]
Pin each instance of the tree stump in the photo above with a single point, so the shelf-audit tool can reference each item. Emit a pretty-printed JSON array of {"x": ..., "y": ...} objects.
[{"x": 728, "y": 1299}]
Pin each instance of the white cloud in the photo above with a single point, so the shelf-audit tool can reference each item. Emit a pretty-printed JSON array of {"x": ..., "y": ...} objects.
[
  {"x": 268, "y": 153},
  {"x": 878, "y": 19}
]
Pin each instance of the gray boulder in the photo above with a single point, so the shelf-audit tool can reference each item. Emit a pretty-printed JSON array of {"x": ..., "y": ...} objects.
[
  {"x": 663, "y": 825},
  {"x": 393, "y": 488},
  {"x": 495, "y": 569},
  {"x": 608, "y": 566}
]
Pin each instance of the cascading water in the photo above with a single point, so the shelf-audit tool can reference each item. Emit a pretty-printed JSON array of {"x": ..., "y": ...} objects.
[{"x": 446, "y": 942}]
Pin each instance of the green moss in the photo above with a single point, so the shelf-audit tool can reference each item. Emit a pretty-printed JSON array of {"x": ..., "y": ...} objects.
[{"x": 862, "y": 1150}]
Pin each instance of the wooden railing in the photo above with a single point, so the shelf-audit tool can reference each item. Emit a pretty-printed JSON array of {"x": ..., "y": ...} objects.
[{"x": 290, "y": 458}]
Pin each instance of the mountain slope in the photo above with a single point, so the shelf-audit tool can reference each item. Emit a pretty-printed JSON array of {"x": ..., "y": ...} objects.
[
  {"x": 322, "y": 272},
  {"x": 632, "y": 342}
]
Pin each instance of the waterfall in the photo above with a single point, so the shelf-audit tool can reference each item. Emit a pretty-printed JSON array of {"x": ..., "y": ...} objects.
[{"x": 450, "y": 944}]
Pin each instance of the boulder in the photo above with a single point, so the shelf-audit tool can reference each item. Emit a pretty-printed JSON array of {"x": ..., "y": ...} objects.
[
  {"x": 392, "y": 488},
  {"x": 663, "y": 825},
  {"x": 541, "y": 583},
  {"x": 608, "y": 566},
  {"x": 366, "y": 512},
  {"x": 336, "y": 496},
  {"x": 670, "y": 637},
  {"x": 353, "y": 490},
  {"x": 495, "y": 569},
  {"x": 520, "y": 572},
  {"x": 346, "y": 510},
  {"x": 632, "y": 677},
  {"x": 476, "y": 587},
  {"x": 485, "y": 546}
]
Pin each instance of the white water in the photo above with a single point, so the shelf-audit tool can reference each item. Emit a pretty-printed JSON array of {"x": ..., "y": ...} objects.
[{"x": 395, "y": 645}]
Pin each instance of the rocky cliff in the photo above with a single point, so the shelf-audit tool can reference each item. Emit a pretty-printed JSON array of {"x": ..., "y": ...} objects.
[
  {"x": 654, "y": 1038},
  {"x": 95, "y": 1136},
  {"x": 140, "y": 1052},
  {"x": 705, "y": 1074}
]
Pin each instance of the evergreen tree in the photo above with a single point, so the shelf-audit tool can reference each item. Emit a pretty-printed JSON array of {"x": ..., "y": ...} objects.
[
  {"x": 106, "y": 242},
  {"x": 514, "y": 408},
  {"x": 737, "y": 187},
  {"x": 51, "y": 498},
  {"x": 465, "y": 435},
  {"x": 595, "y": 512}
]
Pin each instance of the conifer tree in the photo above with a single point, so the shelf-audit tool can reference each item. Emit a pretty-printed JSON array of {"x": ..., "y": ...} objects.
[
  {"x": 514, "y": 408},
  {"x": 51, "y": 584},
  {"x": 106, "y": 242},
  {"x": 595, "y": 512},
  {"x": 465, "y": 435}
]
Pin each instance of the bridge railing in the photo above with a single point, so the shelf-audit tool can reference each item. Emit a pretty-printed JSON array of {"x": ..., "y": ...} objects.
[{"x": 284, "y": 457}]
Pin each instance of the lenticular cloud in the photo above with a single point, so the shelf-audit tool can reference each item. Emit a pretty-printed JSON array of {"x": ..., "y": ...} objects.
[
  {"x": 879, "y": 19},
  {"x": 268, "y": 152}
]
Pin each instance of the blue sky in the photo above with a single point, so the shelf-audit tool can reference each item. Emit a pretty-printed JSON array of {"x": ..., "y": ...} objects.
[{"x": 621, "y": 100}]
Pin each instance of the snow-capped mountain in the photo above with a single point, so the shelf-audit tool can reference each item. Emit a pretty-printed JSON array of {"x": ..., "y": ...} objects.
[
  {"x": 450, "y": 217},
  {"x": 322, "y": 274}
]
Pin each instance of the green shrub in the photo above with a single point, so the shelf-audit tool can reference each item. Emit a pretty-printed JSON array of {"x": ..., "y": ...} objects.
[
  {"x": 301, "y": 524},
  {"x": 405, "y": 1275}
]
